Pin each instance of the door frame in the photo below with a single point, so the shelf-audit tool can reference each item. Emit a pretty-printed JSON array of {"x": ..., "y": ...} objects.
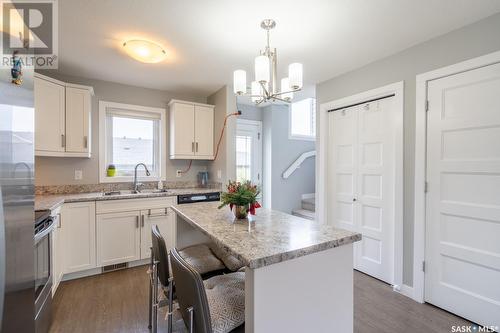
[
  {"x": 322, "y": 190},
  {"x": 257, "y": 123},
  {"x": 421, "y": 160}
]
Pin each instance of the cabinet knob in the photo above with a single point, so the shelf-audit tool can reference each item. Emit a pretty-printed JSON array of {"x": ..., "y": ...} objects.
[{"x": 354, "y": 199}]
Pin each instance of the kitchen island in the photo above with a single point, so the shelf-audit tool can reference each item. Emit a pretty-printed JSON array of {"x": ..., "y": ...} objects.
[{"x": 299, "y": 274}]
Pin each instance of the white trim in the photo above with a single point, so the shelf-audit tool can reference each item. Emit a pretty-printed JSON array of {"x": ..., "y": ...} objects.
[
  {"x": 65, "y": 84},
  {"x": 421, "y": 155},
  {"x": 308, "y": 195},
  {"x": 240, "y": 121},
  {"x": 103, "y": 105},
  {"x": 190, "y": 103},
  {"x": 322, "y": 163}
]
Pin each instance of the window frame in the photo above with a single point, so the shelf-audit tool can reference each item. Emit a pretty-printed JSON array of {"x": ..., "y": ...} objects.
[
  {"x": 313, "y": 122},
  {"x": 103, "y": 141}
]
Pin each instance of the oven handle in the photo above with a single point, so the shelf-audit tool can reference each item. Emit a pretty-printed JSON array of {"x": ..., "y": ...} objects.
[{"x": 40, "y": 235}]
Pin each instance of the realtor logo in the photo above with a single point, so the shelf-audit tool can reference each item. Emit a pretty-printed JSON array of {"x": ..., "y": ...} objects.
[{"x": 29, "y": 30}]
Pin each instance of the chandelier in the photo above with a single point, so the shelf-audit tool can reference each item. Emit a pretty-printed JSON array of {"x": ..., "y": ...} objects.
[{"x": 265, "y": 88}]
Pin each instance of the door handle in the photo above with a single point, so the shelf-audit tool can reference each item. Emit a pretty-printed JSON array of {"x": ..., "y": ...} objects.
[
  {"x": 192, "y": 147},
  {"x": 85, "y": 142},
  {"x": 142, "y": 221},
  {"x": 137, "y": 221},
  {"x": 63, "y": 140},
  {"x": 354, "y": 199},
  {"x": 196, "y": 146}
]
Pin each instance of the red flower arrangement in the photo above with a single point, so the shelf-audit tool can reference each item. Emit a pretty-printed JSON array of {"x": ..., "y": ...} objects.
[{"x": 242, "y": 196}]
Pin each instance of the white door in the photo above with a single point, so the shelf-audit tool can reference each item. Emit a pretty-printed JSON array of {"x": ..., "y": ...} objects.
[
  {"x": 164, "y": 219},
  {"x": 118, "y": 238},
  {"x": 249, "y": 151},
  {"x": 77, "y": 119},
  {"x": 204, "y": 131},
  {"x": 363, "y": 182},
  {"x": 78, "y": 231},
  {"x": 49, "y": 116},
  {"x": 462, "y": 254}
]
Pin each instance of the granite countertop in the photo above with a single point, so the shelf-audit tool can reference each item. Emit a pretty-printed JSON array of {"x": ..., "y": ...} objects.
[
  {"x": 53, "y": 201},
  {"x": 272, "y": 236}
]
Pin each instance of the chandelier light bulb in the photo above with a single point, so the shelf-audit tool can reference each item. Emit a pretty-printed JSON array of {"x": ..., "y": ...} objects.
[
  {"x": 295, "y": 75},
  {"x": 240, "y": 82},
  {"x": 262, "y": 69}
]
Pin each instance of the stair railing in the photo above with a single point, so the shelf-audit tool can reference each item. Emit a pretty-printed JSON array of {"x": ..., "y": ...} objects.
[{"x": 298, "y": 162}]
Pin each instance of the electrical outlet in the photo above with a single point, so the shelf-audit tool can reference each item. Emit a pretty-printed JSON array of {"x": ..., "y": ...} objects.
[
  {"x": 178, "y": 173},
  {"x": 219, "y": 174},
  {"x": 78, "y": 174}
]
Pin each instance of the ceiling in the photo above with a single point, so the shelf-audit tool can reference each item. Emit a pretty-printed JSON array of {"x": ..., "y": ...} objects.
[{"x": 207, "y": 40}]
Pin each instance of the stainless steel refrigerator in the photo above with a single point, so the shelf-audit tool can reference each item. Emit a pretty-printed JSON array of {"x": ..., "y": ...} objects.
[{"x": 17, "y": 281}]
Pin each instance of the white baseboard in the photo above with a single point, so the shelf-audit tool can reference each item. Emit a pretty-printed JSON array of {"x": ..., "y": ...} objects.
[
  {"x": 98, "y": 270},
  {"x": 406, "y": 290}
]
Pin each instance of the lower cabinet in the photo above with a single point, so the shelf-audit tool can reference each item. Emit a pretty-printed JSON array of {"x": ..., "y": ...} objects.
[
  {"x": 77, "y": 236},
  {"x": 57, "y": 252},
  {"x": 164, "y": 218},
  {"x": 118, "y": 238}
]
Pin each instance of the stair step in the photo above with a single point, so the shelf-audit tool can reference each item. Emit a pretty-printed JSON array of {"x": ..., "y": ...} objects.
[
  {"x": 304, "y": 213},
  {"x": 309, "y": 204}
]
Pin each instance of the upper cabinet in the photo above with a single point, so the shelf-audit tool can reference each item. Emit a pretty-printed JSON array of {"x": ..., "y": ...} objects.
[
  {"x": 62, "y": 118},
  {"x": 191, "y": 130}
]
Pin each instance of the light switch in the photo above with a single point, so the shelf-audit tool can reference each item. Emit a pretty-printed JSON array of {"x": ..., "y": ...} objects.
[
  {"x": 178, "y": 173},
  {"x": 78, "y": 174}
]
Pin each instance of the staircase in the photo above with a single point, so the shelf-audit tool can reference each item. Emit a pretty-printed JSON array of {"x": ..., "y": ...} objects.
[{"x": 308, "y": 207}]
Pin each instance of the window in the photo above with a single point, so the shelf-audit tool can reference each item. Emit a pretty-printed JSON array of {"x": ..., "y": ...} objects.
[
  {"x": 130, "y": 135},
  {"x": 243, "y": 158},
  {"x": 303, "y": 120}
]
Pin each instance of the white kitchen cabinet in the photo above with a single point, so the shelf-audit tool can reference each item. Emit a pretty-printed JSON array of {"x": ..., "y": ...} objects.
[
  {"x": 62, "y": 118},
  {"x": 49, "y": 117},
  {"x": 191, "y": 130},
  {"x": 118, "y": 238},
  {"x": 78, "y": 229},
  {"x": 164, "y": 218},
  {"x": 78, "y": 108}
]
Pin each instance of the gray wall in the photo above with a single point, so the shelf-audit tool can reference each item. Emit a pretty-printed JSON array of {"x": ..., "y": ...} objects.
[
  {"x": 59, "y": 170},
  {"x": 474, "y": 40},
  {"x": 278, "y": 153},
  {"x": 250, "y": 112}
]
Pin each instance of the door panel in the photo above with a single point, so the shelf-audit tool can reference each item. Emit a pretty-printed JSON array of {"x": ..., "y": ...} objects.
[
  {"x": 164, "y": 218},
  {"x": 49, "y": 116},
  {"x": 249, "y": 151},
  {"x": 204, "y": 131},
  {"x": 183, "y": 131},
  {"x": 362, "y": 173},
  {"x": 463, "y": 201},
  {"x": 118, "y": 238},
  {"x": 77, "y": 120}
]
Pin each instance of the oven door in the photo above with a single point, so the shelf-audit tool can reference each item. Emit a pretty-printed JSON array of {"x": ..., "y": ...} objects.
[{"x": 43, "y": 276}]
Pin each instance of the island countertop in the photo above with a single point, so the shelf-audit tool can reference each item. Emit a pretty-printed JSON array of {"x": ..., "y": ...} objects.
[{"x": 271, "y": 237}]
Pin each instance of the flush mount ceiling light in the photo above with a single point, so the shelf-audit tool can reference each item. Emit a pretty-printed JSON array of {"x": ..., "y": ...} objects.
[
  {"x": 144, "y": 51},
  {"x": 265, "y": 88}
]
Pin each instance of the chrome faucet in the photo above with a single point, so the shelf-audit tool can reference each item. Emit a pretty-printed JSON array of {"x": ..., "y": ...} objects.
[{"x": 136, "y": 184}]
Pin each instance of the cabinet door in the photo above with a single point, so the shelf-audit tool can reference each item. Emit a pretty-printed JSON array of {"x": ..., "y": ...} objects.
[
  {"x": 49, "y": 117},
  {"x": 78, "y": 232},
  {"x": 181, "y": 130},
  {"x": 57, "y": 254},
  {"x": 77, "y": 120},
  {"x": 118, "y": 238},
  {"x": 164, "y": 218},
  {"x": 204, "y": 131}
]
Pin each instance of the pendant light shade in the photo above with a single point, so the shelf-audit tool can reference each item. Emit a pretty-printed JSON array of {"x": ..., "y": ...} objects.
[
  {"x": 285, "y": 86},
  {"x": 256, "y": 91},
  {"x": 262, "y": 69},
  {"x": 240, "y": 82},
  {"x": 295, "y": 75}
]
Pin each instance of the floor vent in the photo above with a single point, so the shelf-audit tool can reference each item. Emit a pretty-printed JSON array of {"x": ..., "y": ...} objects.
[{"x": 114, "y": 267}]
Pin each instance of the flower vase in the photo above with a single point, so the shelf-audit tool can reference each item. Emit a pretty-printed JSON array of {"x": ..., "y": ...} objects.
[{"x": 240, "y": 212}]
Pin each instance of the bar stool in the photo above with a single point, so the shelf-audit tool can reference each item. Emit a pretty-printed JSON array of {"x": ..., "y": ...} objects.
[
  {"x": 200, "y": 257},
  {"x": 216, "y": 305}
]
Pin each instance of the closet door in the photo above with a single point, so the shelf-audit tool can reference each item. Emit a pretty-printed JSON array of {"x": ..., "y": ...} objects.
[
  {"x": 361, "y": 176},
  {"x": 375, "y": 189}
]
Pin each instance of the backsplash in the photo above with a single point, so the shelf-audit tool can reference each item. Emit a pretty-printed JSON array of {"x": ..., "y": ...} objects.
[{"x": 107, "y": 187}]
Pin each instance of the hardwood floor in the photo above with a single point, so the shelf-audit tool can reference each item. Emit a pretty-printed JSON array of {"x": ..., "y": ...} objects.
[{"x": 117, "y": 302}]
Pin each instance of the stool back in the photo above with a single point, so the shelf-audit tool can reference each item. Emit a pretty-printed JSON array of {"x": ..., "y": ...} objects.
[
  {"x": 191, "y": 295},
  {"x": 160, "y": 253}
]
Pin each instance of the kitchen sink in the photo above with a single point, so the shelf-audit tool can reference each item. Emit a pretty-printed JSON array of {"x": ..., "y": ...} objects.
[{"x": 124, "y": 192}]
